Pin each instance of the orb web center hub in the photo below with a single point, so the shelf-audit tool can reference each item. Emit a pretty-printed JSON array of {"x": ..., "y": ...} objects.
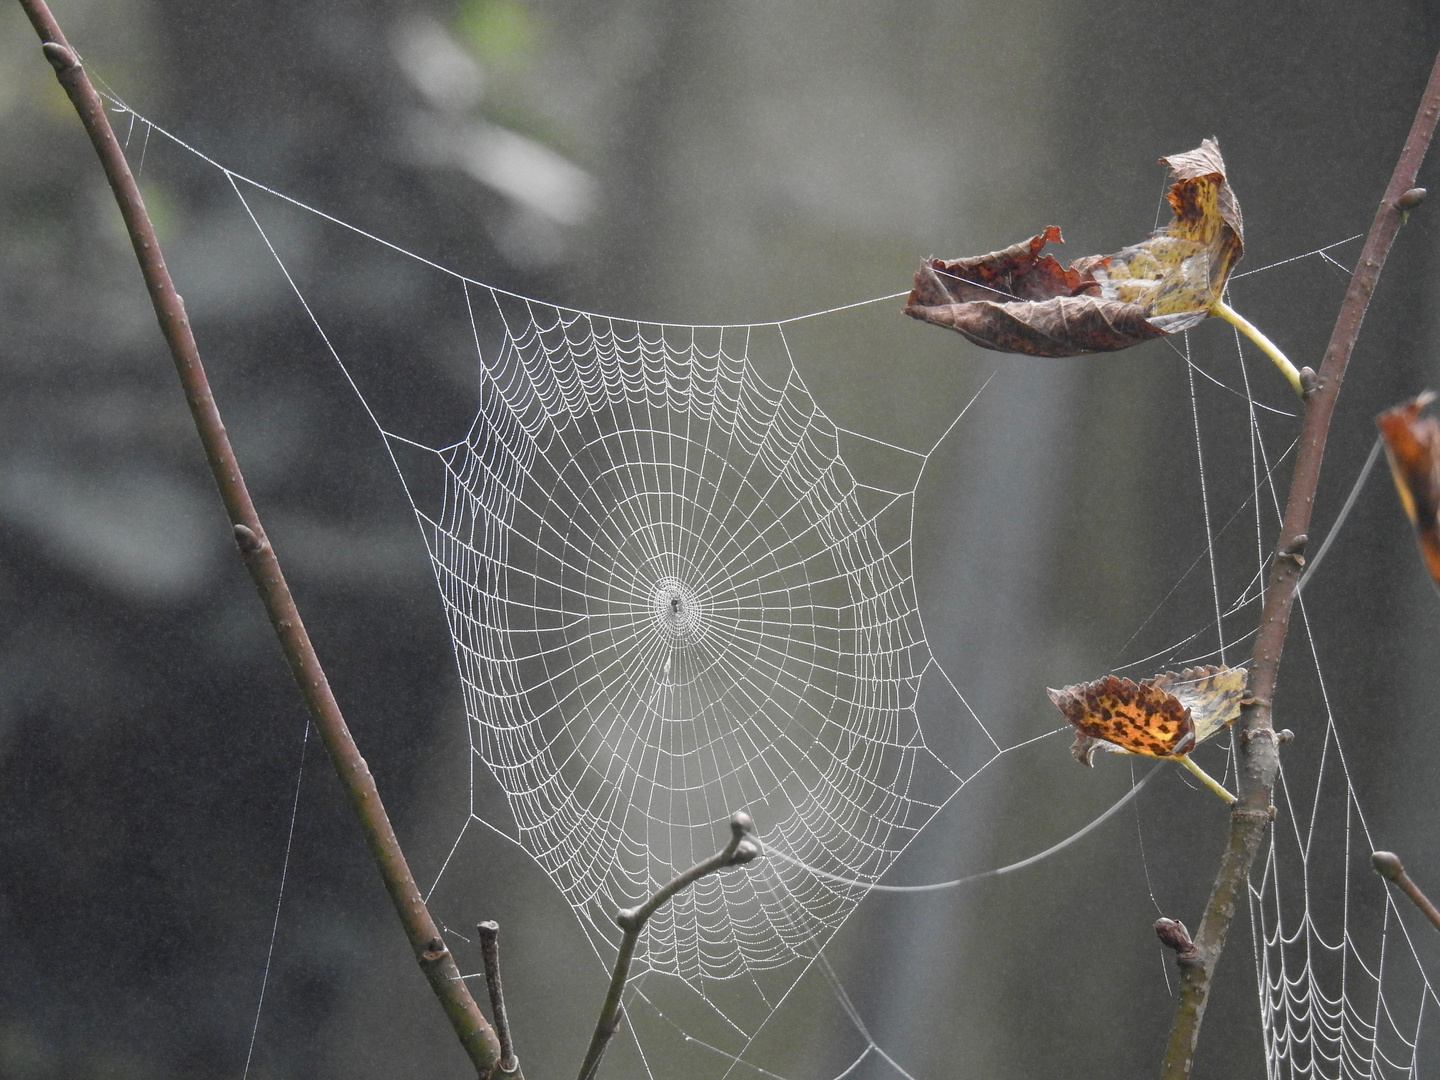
[{"x": 676, "y": 609}]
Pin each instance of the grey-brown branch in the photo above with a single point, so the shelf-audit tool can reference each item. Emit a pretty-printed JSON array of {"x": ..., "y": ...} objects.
[
  {"x": 741, "y": 849},
  {"x": 489, "y": 932},
  {"x": 1258, "y": 740},
  {"x": 1387, "y": 865},
  {"x": 434, "y": 958}
]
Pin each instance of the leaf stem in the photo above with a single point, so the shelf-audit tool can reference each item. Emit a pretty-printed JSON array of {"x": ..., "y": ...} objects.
[
  {"x": 1268, "y": 347},
  {"x": 1206, "y": 779}
]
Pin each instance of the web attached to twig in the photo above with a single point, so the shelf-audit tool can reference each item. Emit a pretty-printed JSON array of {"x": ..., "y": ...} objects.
[
  {"x": 671, "y": 599},
  {"x": 676, "y": 588}
]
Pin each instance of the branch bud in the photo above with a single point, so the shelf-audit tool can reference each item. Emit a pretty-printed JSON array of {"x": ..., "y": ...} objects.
[
  {"x": 741, "y": 824},
  {"x": 1411, "y": 199},
  {"x": 247, "y": 540},
  {"x": 1173, "y": 935},
  {"x": 1387, "y": 865},
  {"x": 745, "y": 851},
  {"x": 61, "y": 58}
]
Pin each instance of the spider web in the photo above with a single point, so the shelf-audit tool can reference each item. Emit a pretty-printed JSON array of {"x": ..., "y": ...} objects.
[
  {"x": 672, "y": 597},
  {"x": 676, "y": 588},
  {"x": 670, "y": 603}
]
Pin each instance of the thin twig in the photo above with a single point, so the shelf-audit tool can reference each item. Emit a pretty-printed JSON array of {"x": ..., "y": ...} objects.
[
  {"x": 1258, "y": 750},
  {"x": 439, "y": 967},
  {"x": 1387, "y": 865},
  {"x": 489, "y": 932},
  {"x": 740, "y": 849}
]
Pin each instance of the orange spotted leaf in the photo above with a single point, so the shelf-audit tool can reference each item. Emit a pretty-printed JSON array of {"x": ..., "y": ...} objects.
[
  {"x": 1412, "y": 443},
  {"x": 1166, "y": 716},
  {"x": 1018, "y": 300}
]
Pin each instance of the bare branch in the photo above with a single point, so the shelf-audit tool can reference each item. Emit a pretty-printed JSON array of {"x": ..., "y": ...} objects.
[
  {"x": 489, "y": 932},
  {"x": 434, "y": 958},
  {"x": 1258, "y": 741},
  {"x": 741, "y": 849},
  {"x": 1387, "y": 865}
]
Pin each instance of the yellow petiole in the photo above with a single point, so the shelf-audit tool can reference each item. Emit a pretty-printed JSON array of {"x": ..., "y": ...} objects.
[
  {"x": 1205, "y": 778},
  {"x": 1268, "y": 347}
]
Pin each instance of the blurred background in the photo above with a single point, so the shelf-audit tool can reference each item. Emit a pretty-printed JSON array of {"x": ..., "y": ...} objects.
[{"x": 723, "y": 162}]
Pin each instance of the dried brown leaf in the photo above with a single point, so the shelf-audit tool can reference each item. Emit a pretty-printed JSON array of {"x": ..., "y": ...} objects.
[
  {"x": 1020, "y": 300},
  {"x": 1165, "y": 716},
  {"x": 1412, "y": 443}
]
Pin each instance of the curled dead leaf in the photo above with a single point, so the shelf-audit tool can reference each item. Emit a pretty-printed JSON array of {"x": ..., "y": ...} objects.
[
  {"x": 1412, "y": 443},
  {"x": 1166, "y": 716},
  {"x": 1020, "y": 300}
]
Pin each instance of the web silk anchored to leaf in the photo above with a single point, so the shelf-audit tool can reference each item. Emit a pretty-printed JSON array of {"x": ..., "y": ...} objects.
[
  {"x": 1018, "y": 300},
  {"x": 1166, "y": 716}
]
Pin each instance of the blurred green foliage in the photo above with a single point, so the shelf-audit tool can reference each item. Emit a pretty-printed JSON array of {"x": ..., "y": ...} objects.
[{"x": 503, "y": 33}]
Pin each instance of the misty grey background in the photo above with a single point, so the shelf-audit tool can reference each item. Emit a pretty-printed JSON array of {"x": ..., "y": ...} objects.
[{"x": 746, "y": 161}]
